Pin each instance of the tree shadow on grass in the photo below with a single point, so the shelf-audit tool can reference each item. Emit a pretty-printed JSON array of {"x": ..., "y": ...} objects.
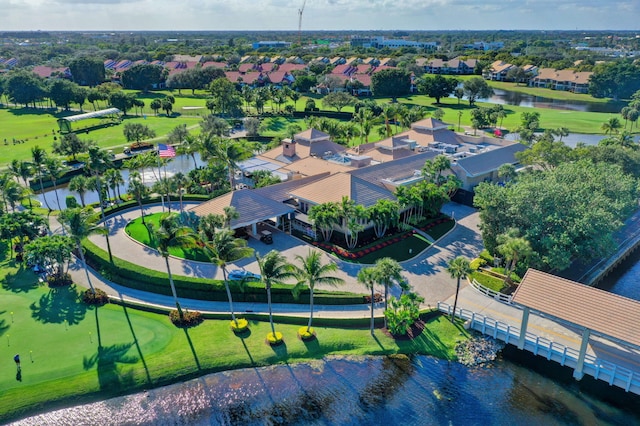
[
  {"x": 135, "y": 341},
  {"x": 244, "y": 335},
  {"x": 21, "y": 281},
  {"x": 280, "y": 351},
  {"x": 107, "y": 360},
  {"x": 58, "y": 305},
  {"x": 4, "y": 326},
  {"x": 193, "y": 350}
]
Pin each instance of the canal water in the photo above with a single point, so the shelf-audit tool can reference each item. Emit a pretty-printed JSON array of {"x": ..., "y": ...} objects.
[
  {"x": 365, "y": 391},
  {"x": 508, "y": 97}
]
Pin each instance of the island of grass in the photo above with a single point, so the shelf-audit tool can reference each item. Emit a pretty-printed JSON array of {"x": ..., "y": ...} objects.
[{"x": 73, "y": 353}]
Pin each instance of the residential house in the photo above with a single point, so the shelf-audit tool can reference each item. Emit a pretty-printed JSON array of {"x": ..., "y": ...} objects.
[
  {"x": 48, "y": 72},
  {"x": 455, "y": 66},
  {"x": 498, "y": 71},
  {"x": 569, "y": 80}
]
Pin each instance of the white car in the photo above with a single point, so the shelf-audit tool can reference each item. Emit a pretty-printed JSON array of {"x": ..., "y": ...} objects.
[{"x": 241, "y": 274}]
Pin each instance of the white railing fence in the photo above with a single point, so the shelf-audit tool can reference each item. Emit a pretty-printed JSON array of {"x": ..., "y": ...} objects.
[
  {"x": 500, "y": 297},
  {"x": 598, "y": 368}
]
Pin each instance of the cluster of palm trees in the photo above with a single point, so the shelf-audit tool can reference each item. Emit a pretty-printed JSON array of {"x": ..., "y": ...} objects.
[
  {"x": 222, "y": 248},
  {"x": 366, "y": 118}
]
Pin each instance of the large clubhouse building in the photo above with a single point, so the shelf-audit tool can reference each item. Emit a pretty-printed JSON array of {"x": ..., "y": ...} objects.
[{"x": 316, "y": 170}]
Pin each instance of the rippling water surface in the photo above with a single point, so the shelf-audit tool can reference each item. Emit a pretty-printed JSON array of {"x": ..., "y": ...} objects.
[{"x": 361, "y": 391}]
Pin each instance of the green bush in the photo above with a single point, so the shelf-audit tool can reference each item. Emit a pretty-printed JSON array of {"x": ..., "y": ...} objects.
[
  {"x": 477, "y": 263},
  {"x": 71, "y": 202},
  {"x": 484, "y": 254}
]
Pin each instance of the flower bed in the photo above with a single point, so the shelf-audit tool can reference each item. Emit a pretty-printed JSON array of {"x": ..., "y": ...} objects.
[{"x": 354, "y": 255}]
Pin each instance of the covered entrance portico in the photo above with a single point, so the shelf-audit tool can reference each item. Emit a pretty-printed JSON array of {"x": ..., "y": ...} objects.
[{"x": 252, "y": 208}]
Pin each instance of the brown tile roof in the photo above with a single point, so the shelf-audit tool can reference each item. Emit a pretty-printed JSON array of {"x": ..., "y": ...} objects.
[
  {"x": 288, "y": 67},
  {"x": 310, "y": 166},
  {"x": 305, "y": 149},
  {"x": 334, "y": 187},
  {"x": 251, "y": 206},
  {"x": 281, "y": 191},
  {"x": 588, "y": 307},
  {"x": 567, "y": 75},
  {"x": 214, "y": 64},
  {"x": 394, "y": 170}
]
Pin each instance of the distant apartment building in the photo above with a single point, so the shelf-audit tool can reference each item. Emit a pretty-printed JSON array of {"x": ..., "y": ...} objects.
[
  {"x": 271, "y": 44},
  {"x": 379, "y": 42},
  {"x": 569, "y": 80},
  {"x": 452, "y": 66}
]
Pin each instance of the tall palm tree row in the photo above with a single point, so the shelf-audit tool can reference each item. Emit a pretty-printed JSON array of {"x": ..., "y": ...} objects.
[{"x": 310, "y": 271}]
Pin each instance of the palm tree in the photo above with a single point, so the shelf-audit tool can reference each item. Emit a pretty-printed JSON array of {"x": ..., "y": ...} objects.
[
  {"x": 180, "y": 182},
  {"x": 311, "y": 272},
  {"x": 79, "y": 184},
  {"x": 13, "y": 192},
  {"x": 80, "y": 223},
  {"x": 139, "y": 191},
  {"x": 368, "y": 277},
  {"x": 513, "y": 248},
  {"x": 458, "y": 268},
  {"x": 225, "y": 248},
  {"x": 612, "y": 125},
  {"x": 388, "y": 274},
  {"x": 274, "y": 269},
  {"x": 114, "y": 180},
  {"x": 98, "y": 161},
  {"x": 225, "y": 151},
  {"x": 39, "y": 155},
  {"x": 190, "y": 146},
  {"x": 54, "y": 170},
  {"x": 22, "y": 169},
  {"x": 170, "y": 234}
]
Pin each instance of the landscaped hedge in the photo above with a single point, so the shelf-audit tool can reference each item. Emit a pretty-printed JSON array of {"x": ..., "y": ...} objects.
[{"x": 136, "y": 277}]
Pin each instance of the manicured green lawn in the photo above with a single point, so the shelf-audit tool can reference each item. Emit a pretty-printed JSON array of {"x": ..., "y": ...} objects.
[
  {"x": 72, "y": 353},
  {"x": 35, "y": 128},
  {"x": 489, "y": 281},
  {"x": 139, "y": 232}
]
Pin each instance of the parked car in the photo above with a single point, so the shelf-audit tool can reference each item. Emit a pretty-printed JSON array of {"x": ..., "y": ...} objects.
[
  {"x": 241, "y": 274},
  {"x": 266, "y": 237}
]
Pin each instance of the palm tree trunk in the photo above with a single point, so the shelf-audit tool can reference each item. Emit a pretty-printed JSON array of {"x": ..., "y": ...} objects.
[
  {"x": 141, "y": 211},
  {"x": 226, "y": 286},
  {"x": 372, "y": 302},
  {"x": 81, "y": 194},
  {"x": 273, "y": 329},
  {"x": 173, "y": 287},
  {"x": 455, "y": 301},
  {"x": 46, "y": 203},
  {"x": 310, "y": 309},
  {"x": 55, "y": 191},
  {"x": 84, "y": 265},
  {"x": 386, "y": 300},
  {"x": 102, "y": 216}
]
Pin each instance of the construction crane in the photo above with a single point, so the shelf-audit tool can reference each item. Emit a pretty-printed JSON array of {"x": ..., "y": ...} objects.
[{"x": 300, "y": 22}]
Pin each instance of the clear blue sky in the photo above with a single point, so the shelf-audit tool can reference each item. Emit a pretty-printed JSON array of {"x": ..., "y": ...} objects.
[{"x": 117, "y": 15}]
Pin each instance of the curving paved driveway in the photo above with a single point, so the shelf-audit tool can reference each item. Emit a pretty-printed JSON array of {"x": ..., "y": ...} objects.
[{"x": 426, "y": 272}]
